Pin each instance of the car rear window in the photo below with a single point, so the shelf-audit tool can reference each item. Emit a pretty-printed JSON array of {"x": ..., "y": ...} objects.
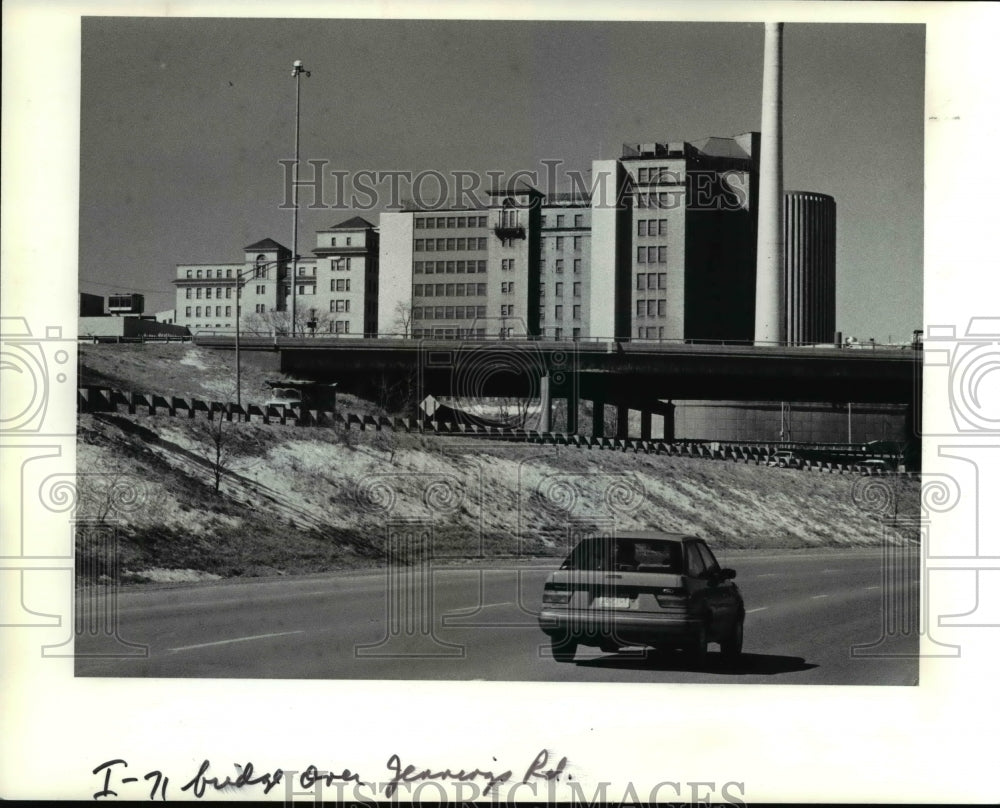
[{"x": 623, "y": 553}]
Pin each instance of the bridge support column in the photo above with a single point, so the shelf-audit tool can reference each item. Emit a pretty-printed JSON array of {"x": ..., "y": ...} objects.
[
  {"x": 545, "y": 393},
  {"x": 645, "y": 424},
  {"x": 668, "y": 420},
  {"x": 622, "y": 421},
  {"x": 598, "y": 418},
  {"x": 572, "y": 411}
]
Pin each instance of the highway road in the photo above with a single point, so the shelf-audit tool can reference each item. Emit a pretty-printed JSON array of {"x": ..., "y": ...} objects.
[{"x": 806, "y": 611}]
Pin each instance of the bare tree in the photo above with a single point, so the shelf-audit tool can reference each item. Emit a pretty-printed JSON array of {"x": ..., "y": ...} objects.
[
  {"x": 307, "y": 321},
  {"x": 403, "y": 317}
]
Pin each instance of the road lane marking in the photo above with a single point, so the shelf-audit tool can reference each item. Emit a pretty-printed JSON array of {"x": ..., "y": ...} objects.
[
  {"x": 481, "y": 606},
  {"x": 817, "y": 597},
  {"x": 873, "y": 587},
  {"x": 229, "y": 642},
  {"x": 758, "y": 609},
  {"x": 766, "y": 575}
]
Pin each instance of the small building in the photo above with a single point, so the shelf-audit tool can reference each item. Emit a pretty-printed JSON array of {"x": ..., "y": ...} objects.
[
  {"x": 91, "y": 305},
  {"x": 130, "y": 304}
]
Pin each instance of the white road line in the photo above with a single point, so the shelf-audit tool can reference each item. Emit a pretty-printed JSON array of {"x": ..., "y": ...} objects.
[
  {"x": 237, "y": 639},
  {"x": 758, "y": 609},
  {"x": 873, "y": 587},
  {"x": 817, "y": 597},
  {"x": 481, "y": 606},
  {"x": 766, "y": 575}
]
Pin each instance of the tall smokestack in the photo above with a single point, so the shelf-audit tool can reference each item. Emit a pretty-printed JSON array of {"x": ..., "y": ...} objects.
[{"x": 769, "y": 323}]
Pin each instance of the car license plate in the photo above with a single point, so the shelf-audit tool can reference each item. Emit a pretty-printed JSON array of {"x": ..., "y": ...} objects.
[{"x": 607, "y": 602}]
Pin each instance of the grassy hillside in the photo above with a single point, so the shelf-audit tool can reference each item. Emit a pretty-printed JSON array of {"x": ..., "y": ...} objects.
[{"x": 294, "y": 500}]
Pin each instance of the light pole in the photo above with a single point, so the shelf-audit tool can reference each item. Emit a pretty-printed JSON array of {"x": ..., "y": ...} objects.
[{"x": 297, "y": 71}]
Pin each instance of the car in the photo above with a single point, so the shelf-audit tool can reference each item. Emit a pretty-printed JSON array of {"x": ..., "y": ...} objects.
[
  {"x": 661, "y": 590},
  {"x": 784, "y": 459},
  {"x": 282, "y": 397}
]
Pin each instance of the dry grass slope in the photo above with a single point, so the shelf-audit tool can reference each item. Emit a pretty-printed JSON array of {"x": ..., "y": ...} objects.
[{"x": 295, "y": 500}]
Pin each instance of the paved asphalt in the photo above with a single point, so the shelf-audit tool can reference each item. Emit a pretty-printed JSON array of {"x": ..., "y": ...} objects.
[{"x": 805, "y": 612}]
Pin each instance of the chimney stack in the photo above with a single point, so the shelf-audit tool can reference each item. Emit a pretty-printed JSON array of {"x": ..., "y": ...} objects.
[{"x": 769, "y": 322}]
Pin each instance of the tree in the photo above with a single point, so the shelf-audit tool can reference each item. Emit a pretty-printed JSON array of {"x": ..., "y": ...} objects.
[
  {"x": 403, "y": 317},
  {"x": 280, "y": 322}
]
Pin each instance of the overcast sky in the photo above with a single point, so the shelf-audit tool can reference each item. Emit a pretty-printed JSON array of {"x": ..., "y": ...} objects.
[{"x": 184, "y": 122}]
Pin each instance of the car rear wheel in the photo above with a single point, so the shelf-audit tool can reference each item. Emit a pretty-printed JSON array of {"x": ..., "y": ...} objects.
[
  {"x": 563, "y": 650},
  {"x": 732, "y": 645}
]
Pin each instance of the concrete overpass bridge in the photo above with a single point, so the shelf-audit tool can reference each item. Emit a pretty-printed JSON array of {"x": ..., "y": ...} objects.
[{"x": 641, "y": 376}]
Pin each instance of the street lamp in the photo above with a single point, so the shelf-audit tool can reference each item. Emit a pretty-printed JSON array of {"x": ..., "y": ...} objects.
[{"x": 297, "y": 71}]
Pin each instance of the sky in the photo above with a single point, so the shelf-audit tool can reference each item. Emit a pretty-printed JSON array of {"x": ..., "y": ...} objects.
[{"x": 185, "y": 122}]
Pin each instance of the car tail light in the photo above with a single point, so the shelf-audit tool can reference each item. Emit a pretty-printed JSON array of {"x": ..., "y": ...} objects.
[
  {"x": 556, "y": 593},
  {"x": 671, "y": 596}
]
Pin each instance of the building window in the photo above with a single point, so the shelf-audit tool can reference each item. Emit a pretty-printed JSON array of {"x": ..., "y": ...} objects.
[
  {"x": 340, "y": 284},
  {"x": 259, "y": 308},
  {"x": 661, "y": 255},
  {"x": 577, "y": 289},
  {"x": 348, "y": 241},
  {"x": 188, "y": 274},
  {"x": 229, "y": 292},
  {"x": 559, "y": 266},
  {"x": 197, "y": 293},
  {"x": 507, "y": 288},
  {"x": 507, "y": 264},
  {"x": 642, "y": 227},
  {"x": 507, "y": 310},
  {"x": 641, "y": 255},
  {"x": 541, "y": 290},
  {"x": 187, "y": 293},
  {"x": 560, "y": 220},
  {"x": 340, "y": 305},
  {"x": 419, "y": 224},
  {"x": 651, "y": 308},
  {"x": 640, "y": 308},
  {"x": 559, "y": 241},
  {"x": 640, "y": 282},
  {"x": 229, "y": 273},
  {"x": 577, "y": 243},
  {"x": 197, "y": 274},
  {"x": 577, "y": 266},
  {"x": 661, "y": 308},
  {"x": 229, "y": 311},
  {"x": 559, "y": 312},
  {"x": 559, "y": 289},
  {"x": 187, "y": 311},
  {"x": 576, "y": 334},
  {"x": 576, "y": 312},
  {"x": 662, "y": 280},
  {"x": 418, "y": 245},
  {"x": 480, "y": 290},
  {"x": 197, "y": 311},
  {"x": 578, "y": 220},
  {"x": 218, "y": 292},
  {"x": 558, "y": 333}
]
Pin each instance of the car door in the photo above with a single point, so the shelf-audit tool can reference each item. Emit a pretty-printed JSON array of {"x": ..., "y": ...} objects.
[
  {"x": 722, "y": 596},
  {"x": 697, "y": 582}
]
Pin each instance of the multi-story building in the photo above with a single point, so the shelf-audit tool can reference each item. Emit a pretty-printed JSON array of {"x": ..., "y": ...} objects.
[
  {"x": 692, "y": 231},
  {"x": 662, "y": 246},
  {"x": 335, "y": 291},
  {"x": 564, "y": 306}
]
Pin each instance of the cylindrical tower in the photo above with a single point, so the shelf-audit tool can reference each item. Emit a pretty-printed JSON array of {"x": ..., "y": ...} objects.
[
  {"x": 769, "y": 325},
  {"x": 810, "y": 233}
]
